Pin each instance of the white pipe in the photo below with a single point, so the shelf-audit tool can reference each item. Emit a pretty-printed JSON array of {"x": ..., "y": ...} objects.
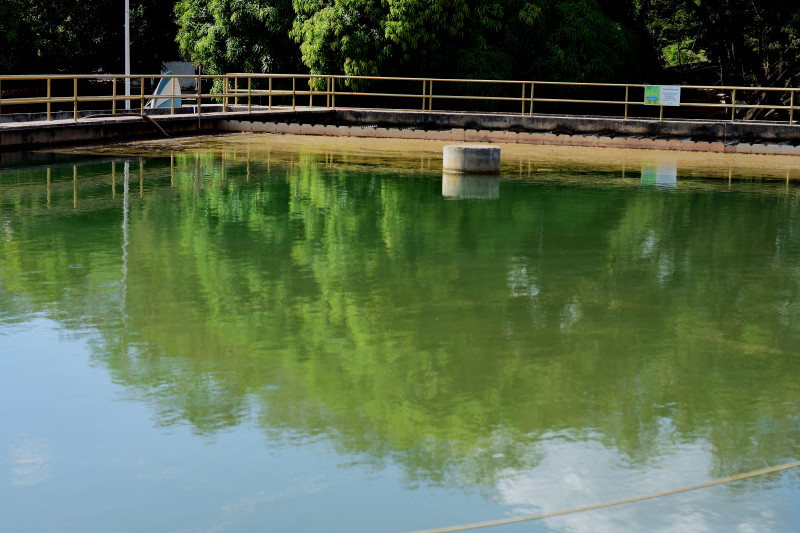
[{"x": 127, "y": 53}]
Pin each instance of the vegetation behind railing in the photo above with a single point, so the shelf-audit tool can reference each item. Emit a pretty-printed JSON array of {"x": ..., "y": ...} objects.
[{"x": 236, "y": 91}]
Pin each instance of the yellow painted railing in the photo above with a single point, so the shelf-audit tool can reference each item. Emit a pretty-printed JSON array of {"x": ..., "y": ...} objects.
[{"x": 265, "y": 91}]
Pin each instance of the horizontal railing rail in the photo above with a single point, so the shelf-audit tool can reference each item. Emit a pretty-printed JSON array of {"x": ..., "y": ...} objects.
[{"x": 269, "y": 90}]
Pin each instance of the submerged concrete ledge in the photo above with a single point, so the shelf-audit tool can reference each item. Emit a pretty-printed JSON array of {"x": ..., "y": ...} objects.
[{"x": 695, "y": 136}]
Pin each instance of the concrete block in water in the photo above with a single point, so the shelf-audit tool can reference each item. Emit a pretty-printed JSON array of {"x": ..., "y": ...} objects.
[{"x": 471, "y": 159}]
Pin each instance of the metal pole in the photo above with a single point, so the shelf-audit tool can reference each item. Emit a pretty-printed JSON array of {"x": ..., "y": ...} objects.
[
  {"x": 199, "y": 94},
  {"x": 127, "y": 53},
  {"x": 294, "y": 92},
  {"x": 523, "y": 98},
  {"x": 530, "y": 113},
  {"x": 791, "y": 107},
  {"x": 49, "y": 93},
  {"x": 113, "y": 97},
  {"x": 430, "y": 96},
  {"x": 733, "y": 106},
  {"x": 75, "y": 101},
  {"x": 626, "y": 102},
  {"x": 270, "y": 93},
  {"x": 249, "y": 94},
  {"x": 423, "y": 94}
]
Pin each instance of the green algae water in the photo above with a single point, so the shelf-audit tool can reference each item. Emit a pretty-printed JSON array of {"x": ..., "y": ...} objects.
[{"x": 253, "y": 334}]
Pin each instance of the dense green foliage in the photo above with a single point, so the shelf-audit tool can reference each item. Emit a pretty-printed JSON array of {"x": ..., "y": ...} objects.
[
  {"x": 547, "y": 39},
  {"x": 730, "y": 42},
  {"x": 738, "y": 41},
  {"x": 237, "y": 36},
  {"x": 46, "y": 36}
]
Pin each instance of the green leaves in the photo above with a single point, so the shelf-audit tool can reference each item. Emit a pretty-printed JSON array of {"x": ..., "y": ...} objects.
[
  {"x": 237, "y": 35},
  {"x": 522, "y": 39},
  {"x": 547, "y": 39},
  {"x": 45, "y": 36},
  {"x": 745, "y": 41}
]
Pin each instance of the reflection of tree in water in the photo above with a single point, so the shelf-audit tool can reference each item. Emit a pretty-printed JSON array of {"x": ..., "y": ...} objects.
[{"x": 446, "y": 336}]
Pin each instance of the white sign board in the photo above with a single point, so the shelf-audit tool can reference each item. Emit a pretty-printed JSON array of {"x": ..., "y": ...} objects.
[{"x": 670, "y": 95}]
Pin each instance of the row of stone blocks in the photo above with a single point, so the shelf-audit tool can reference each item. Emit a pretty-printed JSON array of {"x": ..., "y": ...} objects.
[{"x": 508, "y": 137}]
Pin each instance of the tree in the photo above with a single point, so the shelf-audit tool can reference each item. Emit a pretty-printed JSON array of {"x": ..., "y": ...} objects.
[
  {"x": 237, "y": 35},
  {"x": 45, "y": 36},
  {"x": 13, "y": 37},
  {"x": 746, "y": 42},
  {"x": 341, "y": 36},
  {"x": 546, "y": 39}
]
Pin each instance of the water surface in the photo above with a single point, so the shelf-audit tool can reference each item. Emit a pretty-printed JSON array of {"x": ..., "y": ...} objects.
[{"x": 264, "y": 333}]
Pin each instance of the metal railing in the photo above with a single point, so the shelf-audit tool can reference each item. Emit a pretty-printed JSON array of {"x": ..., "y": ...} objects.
[{"x": 270, "y": 90}]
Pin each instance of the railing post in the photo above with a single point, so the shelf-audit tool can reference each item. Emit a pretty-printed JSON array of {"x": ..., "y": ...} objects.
[
  {"x": 791, "y": 107},
  {"x": 424, "y": 83},
  {"x": 199, "y": 96},
  {"x": 225, "y": 87},
  {"x": 333, "y": 92},
  {"x": 311, "y": 92},
  {"x": 430, "y": 96},
  {"x": 627, "y": 88},
  {"x": 141, "y": 97},
  {"x": 328, "y": 92},
  {"x": 294, "y": 92},
  {"x": 660, "y": 112},
  {"x": 270, "y": 93},
  {"x": 75, "y": 100},
  {"x": 113, "y": 97},
  {"x": 249, "y": 94},
  {"x": 49, "y": 95},
  {"x": 236, "y": 90},
  {"x": 523, "y": 98},
  {"x": 530, "y": 112},
  {"x": 1, "y": 99},
  {"x": 733, "y": 106}
]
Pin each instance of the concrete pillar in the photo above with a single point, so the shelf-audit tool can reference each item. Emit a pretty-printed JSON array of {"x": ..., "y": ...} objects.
[{"x": 468, "y": 158}]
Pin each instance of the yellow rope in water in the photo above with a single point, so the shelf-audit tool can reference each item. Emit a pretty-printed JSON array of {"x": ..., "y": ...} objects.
[{"x": 722, "y": 481}]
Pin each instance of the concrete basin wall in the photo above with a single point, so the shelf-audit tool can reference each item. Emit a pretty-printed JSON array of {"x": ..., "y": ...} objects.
[{"x": 713, "y": 136}]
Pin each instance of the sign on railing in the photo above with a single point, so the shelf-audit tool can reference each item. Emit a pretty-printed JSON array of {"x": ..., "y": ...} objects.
[{"x": 663, "y": 95}]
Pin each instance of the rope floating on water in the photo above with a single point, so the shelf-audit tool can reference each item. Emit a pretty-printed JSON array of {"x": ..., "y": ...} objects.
[{"x": 527, "y": 518}]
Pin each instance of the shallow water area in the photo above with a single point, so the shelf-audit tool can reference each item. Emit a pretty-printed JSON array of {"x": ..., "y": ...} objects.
[{"x": 250, "y": 332}]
